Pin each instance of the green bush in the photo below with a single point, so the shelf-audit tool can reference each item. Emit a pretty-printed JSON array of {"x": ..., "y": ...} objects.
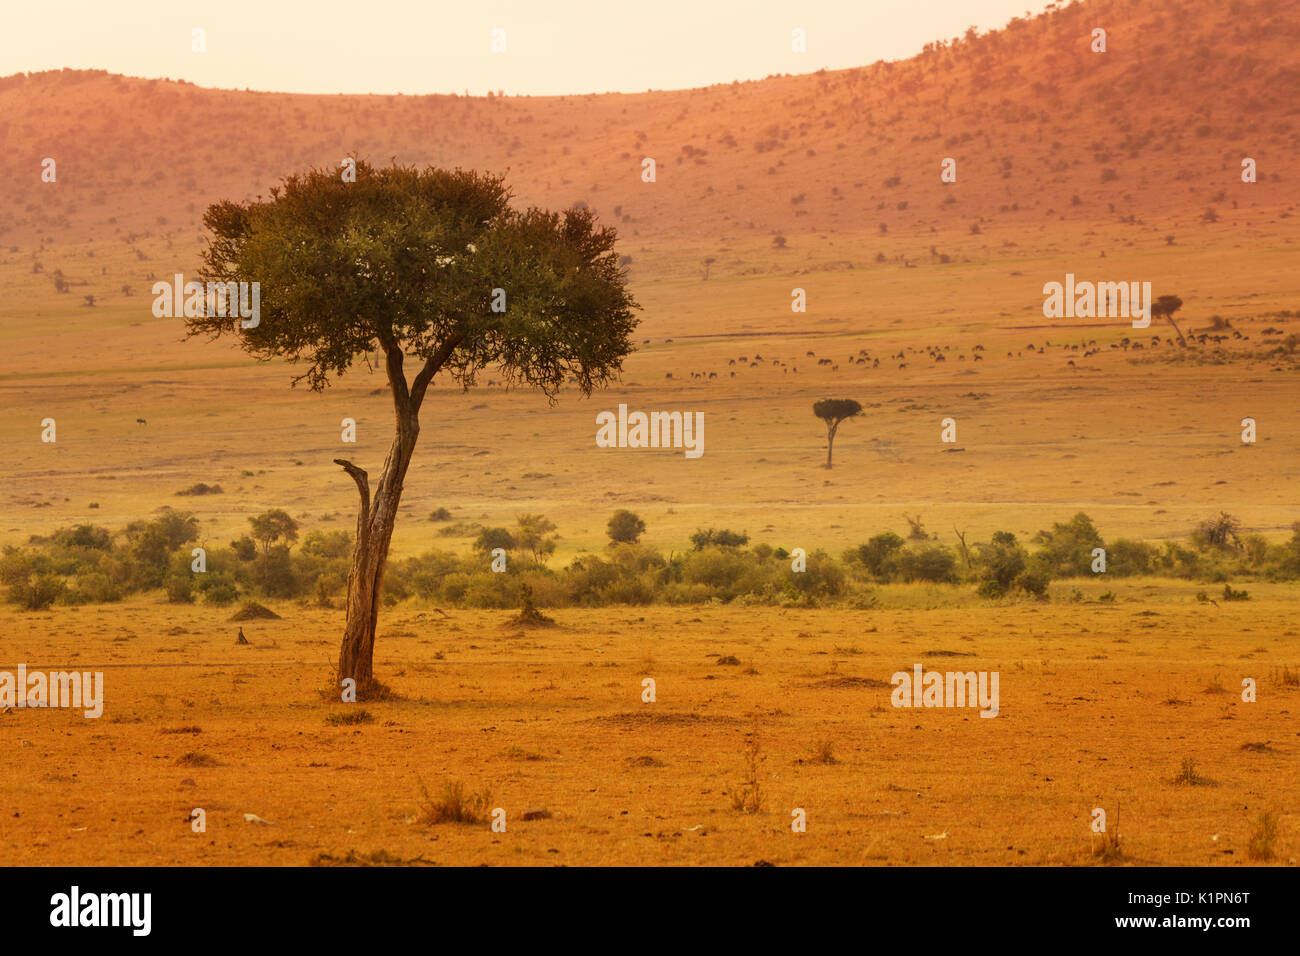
[
  {"x": 717, "y": 539},
  {"x": 37, "y": 592},
  {"x": 934, "y": 563},
  {"x": 625, "y": 527},
  {"x": 1125, "y": 557},
  {"x": 999, "y": 565},
  {"x": 1067, "y": 549}
]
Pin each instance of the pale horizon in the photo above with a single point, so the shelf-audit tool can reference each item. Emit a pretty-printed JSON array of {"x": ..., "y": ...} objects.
[{"x": 564, "y": 47}]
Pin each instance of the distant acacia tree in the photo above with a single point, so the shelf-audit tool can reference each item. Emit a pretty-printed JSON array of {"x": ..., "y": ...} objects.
[
  {"x": 833, "y": 411},
  {"x": 270, "y": 526},
  {"x": 1165, "y": 307},
  {"x": 534, "y": 535},
  {"x": 1223, "y": 531},
  {"x": 429, "y": 266}
]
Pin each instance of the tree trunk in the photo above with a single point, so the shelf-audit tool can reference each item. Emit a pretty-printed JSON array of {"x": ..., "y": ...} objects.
[
  {"x": 1181, "y": 337},
  {"x": 375, "y": 520},
  {"x": 376, "y": 516},
  {"x": 830, "y": 443}
]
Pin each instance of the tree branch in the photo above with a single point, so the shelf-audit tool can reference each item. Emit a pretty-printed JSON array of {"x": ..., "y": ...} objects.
[
  {"x": 363, "y": 486},
  {"x": 393, "y": 359},
  {"x": 431, "y": 367}
]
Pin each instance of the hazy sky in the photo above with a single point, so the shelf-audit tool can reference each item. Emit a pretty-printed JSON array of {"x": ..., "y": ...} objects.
[{"x": 444, "y": 46}]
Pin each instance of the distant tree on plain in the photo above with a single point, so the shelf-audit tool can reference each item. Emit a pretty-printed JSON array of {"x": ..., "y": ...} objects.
[
  {"x": 270, "y": 526},
  {"x": 1165, "y": 307},
  {"x": 835, "y": 411},
  {"x": 625, "y": 527}
]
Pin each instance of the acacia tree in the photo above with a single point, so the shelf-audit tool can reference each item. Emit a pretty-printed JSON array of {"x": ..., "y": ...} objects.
[
  {"x": 1166, "y": 306},
  {"x": 833, "y": 411},
  {"x": 427, "y": 266}
]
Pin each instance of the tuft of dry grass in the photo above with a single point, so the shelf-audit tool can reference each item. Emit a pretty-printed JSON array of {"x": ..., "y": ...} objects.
[
  {"x": 377, "y": 858},
  {"x": 349, "y": 718},
  {"x": 1263, "y": 836},
  {"x": 197, "y": 758},
  {"x": 1106, "y": 844},
  {"x": 455, "y": 805},
  {"x": 824, "y": 752},
  {"x": 747, "y": 796},
  {"x": 1188, "y": 777}
]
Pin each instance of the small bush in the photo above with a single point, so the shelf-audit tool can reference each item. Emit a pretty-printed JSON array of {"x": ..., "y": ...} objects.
[{"x": 201, "y": 489}]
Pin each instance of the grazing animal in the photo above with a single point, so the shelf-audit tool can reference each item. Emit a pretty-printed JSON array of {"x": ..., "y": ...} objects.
[{"x": 141, "y": 421}]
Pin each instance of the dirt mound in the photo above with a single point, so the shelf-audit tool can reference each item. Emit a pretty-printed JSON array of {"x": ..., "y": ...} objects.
[
  {"x": 252, "y": 611},
  {"x": 643, "y": 718},
  {"x": 852, "y": 682}
]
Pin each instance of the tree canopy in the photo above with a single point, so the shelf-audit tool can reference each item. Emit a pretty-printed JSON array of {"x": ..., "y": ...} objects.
[{"x": 408, "y": 260}]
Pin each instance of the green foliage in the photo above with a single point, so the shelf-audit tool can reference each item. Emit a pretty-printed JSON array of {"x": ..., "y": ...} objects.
[
  {"x": 273, "y": 526},
  {"x": 37, "y": 592},
  {"x": 84, "y": 564},
  {"x": 933, "y": 563},
  {"x": 835, "y": 410},
  {"x": 408, "y": 258},
  {"x": 152, "y": 543},
  {"x": 1222, "y": 532},
  {"x": 878, "y": 555},
  {"x": 720, "y": 539},
  {"x": 534, "y": 536},
  {"x": 1126, "y": 557},
  {"x": 490, "y": 539},
  {"x": 999, "y": 564},
  {"x": 1067, "y": 548},
  {"x": 625, "y": 527}
]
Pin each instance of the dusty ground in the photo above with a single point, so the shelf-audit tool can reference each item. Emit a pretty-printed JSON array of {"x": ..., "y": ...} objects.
[{"x": 1100, "y": 705}]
